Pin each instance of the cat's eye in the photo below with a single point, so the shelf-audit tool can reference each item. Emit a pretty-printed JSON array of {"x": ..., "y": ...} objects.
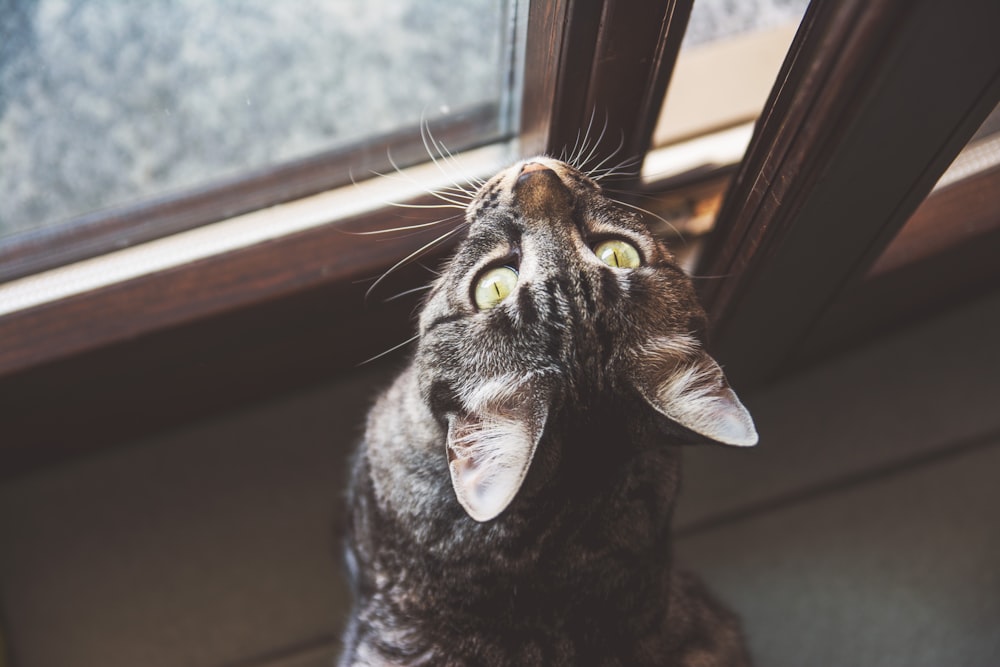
[
  {"x": 494, "y": 286},
  {"x": 618, "y": 253}
]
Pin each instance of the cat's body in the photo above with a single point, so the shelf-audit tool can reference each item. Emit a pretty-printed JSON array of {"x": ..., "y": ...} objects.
[{"x": 512, "y": 498}]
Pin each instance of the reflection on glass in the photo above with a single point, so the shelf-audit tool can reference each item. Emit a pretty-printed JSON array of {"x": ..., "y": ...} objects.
[
  {"x": 731, "y": 53},
  {"x": 961, "y": 209},
  {"x": 713, "y": 20},
  {"x": 980, "y": 154},
  {"x": 103, "y": 102}
]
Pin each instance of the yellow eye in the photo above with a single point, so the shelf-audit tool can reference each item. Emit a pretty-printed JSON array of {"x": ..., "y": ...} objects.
[
  {"x": 494, "y": 286},
  {"x": 618, "y": 254}
]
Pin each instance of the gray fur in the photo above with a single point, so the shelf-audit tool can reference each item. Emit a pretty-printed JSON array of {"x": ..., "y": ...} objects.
[{"x": 603, "y": 369}]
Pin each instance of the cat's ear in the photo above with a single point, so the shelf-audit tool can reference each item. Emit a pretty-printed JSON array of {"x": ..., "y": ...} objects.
[
  {"x": 682, "y": 382},
  {"x": 491, "y": 447}
]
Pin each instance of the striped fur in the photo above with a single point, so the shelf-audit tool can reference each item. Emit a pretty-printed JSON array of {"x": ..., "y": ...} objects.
[{"x": 594, "y": 376}]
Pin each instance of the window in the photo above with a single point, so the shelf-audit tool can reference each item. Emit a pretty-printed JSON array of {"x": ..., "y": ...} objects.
[
  {"x": 119, "y": 119},
  {"x": 862, "y": 120},
  {"x": 729, "y": 58}
]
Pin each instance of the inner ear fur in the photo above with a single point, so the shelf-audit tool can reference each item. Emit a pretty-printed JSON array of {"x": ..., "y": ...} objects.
[
  {"x": 490, "y": 444},
  {"x": 683, "y": 383}
]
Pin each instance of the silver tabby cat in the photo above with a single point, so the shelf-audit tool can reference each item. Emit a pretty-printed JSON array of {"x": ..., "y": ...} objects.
[{"x": 511, "y": 501}]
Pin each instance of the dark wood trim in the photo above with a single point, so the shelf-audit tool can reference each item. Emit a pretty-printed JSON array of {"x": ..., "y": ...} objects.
[
  {"x": 960, "y": 213},
  {"x": 548, "y": 26},
  {"x": 871, "y": 106},
  {"x": 839, "y": 161},
  {"x": 337, "y": 253},
  {"x": 945, "y": 255},
  {"x": 99, "y": 368},
  {"x": 601, "y": 63},
  {"x": 94, "y": 369},
  {"x": 123, "y": 226}
]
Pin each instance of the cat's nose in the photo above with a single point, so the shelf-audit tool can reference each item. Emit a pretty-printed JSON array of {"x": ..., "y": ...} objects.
[
  {"x": 530, "y": 168},
  {"x": 540, "y": 193}
]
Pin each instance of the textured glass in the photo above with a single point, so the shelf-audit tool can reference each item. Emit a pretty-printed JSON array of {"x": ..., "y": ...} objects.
[
  {"x": 105, "y": 102},
  {"x": 713, "y": 20}
]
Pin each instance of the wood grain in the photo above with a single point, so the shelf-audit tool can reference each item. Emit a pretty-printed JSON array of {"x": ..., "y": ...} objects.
[{"x": 872, "y": 104}]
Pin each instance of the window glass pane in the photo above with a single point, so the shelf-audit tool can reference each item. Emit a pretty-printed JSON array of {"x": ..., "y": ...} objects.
[
  {"x": 730, "y": 56},
  {"x": 104, "y": 102},
  {"x": 712, "y": 20},
  {"x": 963, "y": 208}
]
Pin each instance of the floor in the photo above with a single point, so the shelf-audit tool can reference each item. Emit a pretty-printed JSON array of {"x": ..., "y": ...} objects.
[{"x": 864, "y": 530}]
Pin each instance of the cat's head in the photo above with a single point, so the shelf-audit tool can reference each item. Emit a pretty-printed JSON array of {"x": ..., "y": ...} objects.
[{"x": 559, "y": 297}]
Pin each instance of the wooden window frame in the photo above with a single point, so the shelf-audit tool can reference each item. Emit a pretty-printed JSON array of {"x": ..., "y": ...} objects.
[
  {"x": 807, "y": 213},
  {"x": 95, "y": 234},
  {"x": 101, "y": 367},
  {"x": 813, "y": 206}
]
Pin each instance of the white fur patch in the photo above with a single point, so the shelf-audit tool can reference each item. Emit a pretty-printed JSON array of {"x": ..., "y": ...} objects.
[
  {"x": 678, "y": 345},
  {"x": 688, "y": 386},
  {"x": 490, "y": 460},
  {"x": 491, "y": 445},
  {"x": 478, "y": 396}
]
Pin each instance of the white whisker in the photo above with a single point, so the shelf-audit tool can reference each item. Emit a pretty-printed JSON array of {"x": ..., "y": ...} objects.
[
  {"x": 593, "y": 151},
  {"x": 450, "y": 157},
  {"x": 611, "y": 155},
  {"x": 390, "y": 350},
  {"x": 406, "y": 228},
  {"x": 452, "y": 200},
  {"x": 440, "y": 156},
  {"x": 403, "y": 175},
  {"x": 658, "y": 217},
  {"x": 577, "y": 154},
  {"x": 407, "y": 293},
  {"x": 426, "y": 138},
  {"x": 460, "y": 207},
  {"x": 413, "y": 255}
]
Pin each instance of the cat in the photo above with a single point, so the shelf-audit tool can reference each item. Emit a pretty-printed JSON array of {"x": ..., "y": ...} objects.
[{"x": 511, "y": 501}]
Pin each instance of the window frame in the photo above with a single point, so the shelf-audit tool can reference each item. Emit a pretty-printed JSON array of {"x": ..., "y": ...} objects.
[
  {"x": 97, "y": 368},
  {"x": 861, "y": 123},
  {"x": 94, "y": 234},
  {"x": 133, "y": 358}
]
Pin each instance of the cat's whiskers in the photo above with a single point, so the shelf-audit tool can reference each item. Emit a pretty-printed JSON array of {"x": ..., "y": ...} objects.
[
  {"x": 413, "y": 255},
  {"x": 579, "y": 148},
  {"x": 572, "y": 152},
  {"x": 654, "y": 215},
  {"x": 429, "y": 269},
  {"x": 586, "y": 149},
  {"x": 597, "y": 168},
  {"x": 412, "y": 290},
  {"x": 402, "y": 205},
  {"x": 449, "y": 157},
  {"x": 407, "y": 228},
  {"x": 390, "y": 350},
  {"x": 442, "y": 158},
  {"x": 593, "y": 151},
  {"x": 459, "y": 199},
  {"x": 600, "y": 172}
]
